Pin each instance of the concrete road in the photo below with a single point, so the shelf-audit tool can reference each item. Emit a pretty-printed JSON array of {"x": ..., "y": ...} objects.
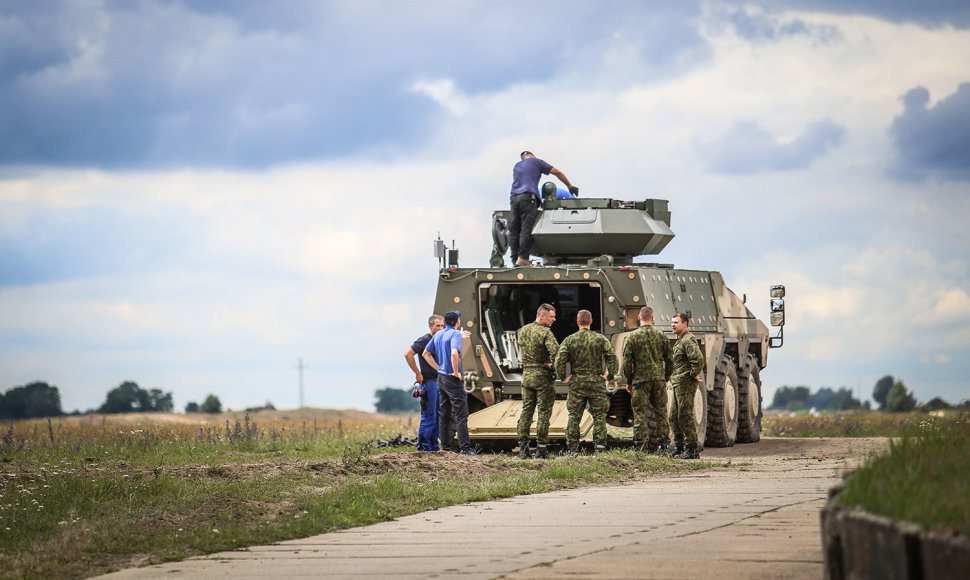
[{"x": 756, "y": 518}]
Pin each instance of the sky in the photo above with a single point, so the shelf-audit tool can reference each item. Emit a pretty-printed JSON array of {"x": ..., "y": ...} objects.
[{"x": 197, "y": 195}]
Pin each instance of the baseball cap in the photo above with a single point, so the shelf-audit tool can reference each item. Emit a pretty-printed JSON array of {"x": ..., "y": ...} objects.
[
  {"x": 524, "y": 153},
  {"x": 452, "y": 317}
]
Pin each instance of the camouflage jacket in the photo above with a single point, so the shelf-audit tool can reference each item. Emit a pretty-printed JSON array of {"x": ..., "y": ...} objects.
[
  {"x": 585, "y": 351},
  {"x": 688, "y": 360},
  {"x": 537, "y": 345},
  {"x": 647, "y": 356}
]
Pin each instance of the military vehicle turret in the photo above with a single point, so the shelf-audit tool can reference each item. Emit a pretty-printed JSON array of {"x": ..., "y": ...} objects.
[{"x": 588, "y": 247}]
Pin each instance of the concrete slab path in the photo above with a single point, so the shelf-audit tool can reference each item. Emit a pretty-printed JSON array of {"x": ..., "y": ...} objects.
[{"x": 755, "y": 518}]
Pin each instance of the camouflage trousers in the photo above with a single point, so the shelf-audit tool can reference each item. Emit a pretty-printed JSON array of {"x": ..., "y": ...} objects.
[
  {"x": 682, "y": 413},
  {"x": 649, "y": 395},
  {"x": 583, "y": 390},
  {"x": 538, "y": 389}
]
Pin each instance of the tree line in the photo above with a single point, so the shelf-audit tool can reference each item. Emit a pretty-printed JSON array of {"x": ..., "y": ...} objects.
[
  {"x": 40, "y": 399},
  {"x": 890, "y": 395}
]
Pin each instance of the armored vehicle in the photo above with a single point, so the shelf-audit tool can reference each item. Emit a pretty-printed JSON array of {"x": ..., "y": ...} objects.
[{"x": 588, "y": 246}]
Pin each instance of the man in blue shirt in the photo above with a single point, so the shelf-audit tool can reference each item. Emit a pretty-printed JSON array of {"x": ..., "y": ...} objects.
[
  {"x": 525, "y": 202},
  {"x": 452, "y": 400},
  {"x": 427, "y": 377}
]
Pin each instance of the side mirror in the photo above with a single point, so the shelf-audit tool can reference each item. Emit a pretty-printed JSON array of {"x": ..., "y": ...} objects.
[{"x": 777, "y": 317}]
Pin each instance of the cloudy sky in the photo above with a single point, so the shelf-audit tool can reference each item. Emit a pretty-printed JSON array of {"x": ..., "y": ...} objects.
[{"x": 194, "y": 195}]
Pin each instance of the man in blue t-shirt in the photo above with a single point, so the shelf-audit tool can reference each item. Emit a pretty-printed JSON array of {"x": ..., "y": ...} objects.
[
  {"x": 427, "y": 377},
  {"x": 525, "y": 202},
  {"x": 445, "y": 346}
]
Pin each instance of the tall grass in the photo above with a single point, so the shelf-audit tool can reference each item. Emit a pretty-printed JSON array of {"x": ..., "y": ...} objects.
[
  {"x": 924, "y": 477},
  {"x": 855, "y": 424},
  {"x": 148, "y": 442}
]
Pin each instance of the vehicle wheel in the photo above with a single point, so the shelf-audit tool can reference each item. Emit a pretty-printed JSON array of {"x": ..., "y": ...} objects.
[
  {"x": 722, "y": 415},
  {"x": 749, "y": 401},
  {"x": 701, "y": 411}
]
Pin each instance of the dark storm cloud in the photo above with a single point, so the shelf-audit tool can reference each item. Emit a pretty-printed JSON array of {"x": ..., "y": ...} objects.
[
  {"x": 251, "y": 84},
  {"x": 933, "y": 141},
  {"x": 747, "y": 148}
]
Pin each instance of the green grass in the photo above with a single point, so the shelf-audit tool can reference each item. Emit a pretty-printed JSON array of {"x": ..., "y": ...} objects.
[
  {"x": 855, "y": 424},
  {"x": 77, "y": 500},
  {"x": 922, "y": 478}
]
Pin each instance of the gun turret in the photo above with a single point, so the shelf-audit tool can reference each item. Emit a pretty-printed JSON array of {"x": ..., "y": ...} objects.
[{"x": 576, "y": 231}]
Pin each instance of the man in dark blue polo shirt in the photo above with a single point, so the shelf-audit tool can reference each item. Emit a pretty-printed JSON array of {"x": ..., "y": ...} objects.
[
  {"x": 453, "y": 401},
  {"x": 525, "y": 202},
  {"x": 427, "y": 377}
]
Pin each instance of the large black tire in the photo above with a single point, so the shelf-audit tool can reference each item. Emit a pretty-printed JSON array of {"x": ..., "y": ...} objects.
[
  {"x": 722, "y": 401},
  {"x": 749, "y": 401}
]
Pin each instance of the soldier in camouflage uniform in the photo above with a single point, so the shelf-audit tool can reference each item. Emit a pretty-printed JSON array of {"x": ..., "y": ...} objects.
[
  {"x": 538, "y": 349},
  {"x": 585, "y": 351},
  {"x": 647, "y": 366},
  {"x": 688, "y": 363}
]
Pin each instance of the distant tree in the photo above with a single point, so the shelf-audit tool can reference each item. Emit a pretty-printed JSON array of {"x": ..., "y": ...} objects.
[
  {"x": 390, "y": 400},
  {"x": 37, "y": 399},
  {"x": 935, "y": 404},
  {"x": 128, "y": 397},
  {"x": 791, "y": 398},
  {"x": 121, "y": 399},
  {"x": 267, "y": 407},
  {"x": 899, "y": 399},
  {"x": 881, "y": 390},
  {"x": 211, "y": 404},
  {"x": 842, "y": 400},
  {"x": 192, "y": 407},
  {"x": 821, "y": 399}
]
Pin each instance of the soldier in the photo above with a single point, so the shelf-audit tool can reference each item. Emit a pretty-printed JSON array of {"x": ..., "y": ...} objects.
[
  {"x": 584, "y": 351},
  {"x": 538, "y": 347},
  {"x": 688, "y": 362},
  {"x": 647, "y": 366}
]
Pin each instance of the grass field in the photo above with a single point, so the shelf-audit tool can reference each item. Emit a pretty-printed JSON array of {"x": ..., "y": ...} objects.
[
  {"x": 923, "y": 478},
  {"x": 85, "y": 495},
  {"x": 855, "y": 424}
]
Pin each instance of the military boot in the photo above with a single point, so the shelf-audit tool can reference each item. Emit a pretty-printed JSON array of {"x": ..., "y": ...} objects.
[
  {"x": 664, "y": 450},
  {"x": 542, "y": 452},
  {"x": 691, "y": 453},
  {"x": 574, "y": 451},
  {"x": 678, "y": 449},
  {"x": 524, "y": 450},
  {"x": 599, "y": 449}
]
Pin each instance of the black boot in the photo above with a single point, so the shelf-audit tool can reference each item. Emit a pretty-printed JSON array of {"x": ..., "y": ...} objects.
[
  {"x": 678, "y": 449},
  {"x": 691, "y": 453},
  {"x": 524, "y": 450},
  {"x": 664, "y": 449},
  {"x": 542, "y": 452}
]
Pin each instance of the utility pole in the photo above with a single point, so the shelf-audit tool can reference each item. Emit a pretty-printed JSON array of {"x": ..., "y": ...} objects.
[{"x": 300, "y": 367}]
